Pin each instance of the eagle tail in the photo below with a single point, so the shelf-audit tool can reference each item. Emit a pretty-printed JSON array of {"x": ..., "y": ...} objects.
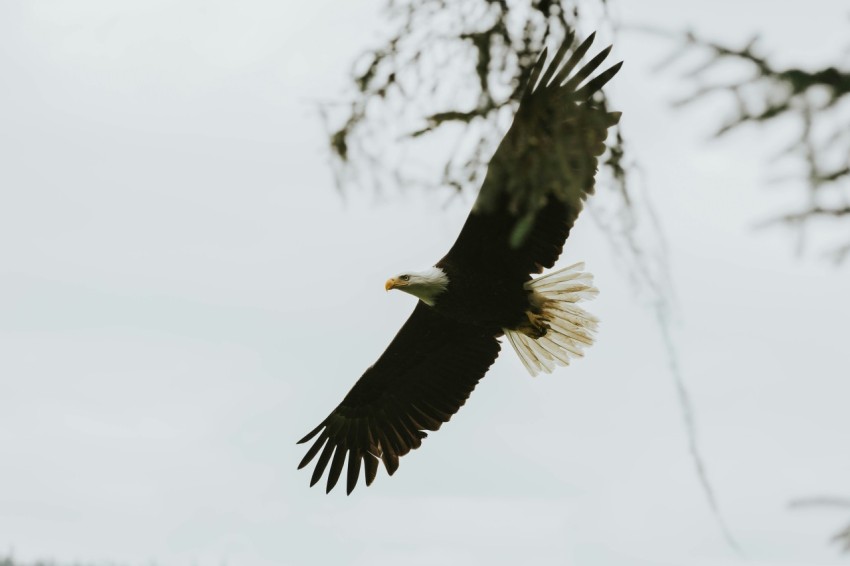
[{"x": 558, "y": 329}]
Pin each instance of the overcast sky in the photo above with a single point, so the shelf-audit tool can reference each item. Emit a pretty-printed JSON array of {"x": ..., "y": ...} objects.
[{"x": 183, "y": 295}]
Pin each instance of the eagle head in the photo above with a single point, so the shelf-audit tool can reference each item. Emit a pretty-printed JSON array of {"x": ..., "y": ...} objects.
[{"x": 426, "y": 285}]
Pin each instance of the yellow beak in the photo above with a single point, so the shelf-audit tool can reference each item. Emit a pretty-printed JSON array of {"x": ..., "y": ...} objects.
[{"x": 390, "y": 284}]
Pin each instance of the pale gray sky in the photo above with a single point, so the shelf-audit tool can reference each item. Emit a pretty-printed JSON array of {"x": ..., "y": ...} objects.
[{"x": 183, "y": 295}]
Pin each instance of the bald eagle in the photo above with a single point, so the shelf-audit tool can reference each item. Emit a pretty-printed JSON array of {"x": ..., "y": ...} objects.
[{"x": 482, "y": 289}]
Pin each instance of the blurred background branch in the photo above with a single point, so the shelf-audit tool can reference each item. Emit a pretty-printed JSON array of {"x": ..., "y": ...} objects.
[
  {"x": 817, "y": 99},
  {"x": 457, "y": 67},
  {"x": 843, "y": 536}
]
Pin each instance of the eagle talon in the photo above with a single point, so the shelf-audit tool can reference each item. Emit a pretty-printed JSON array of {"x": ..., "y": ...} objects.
[{"x": 536, "y": 327}]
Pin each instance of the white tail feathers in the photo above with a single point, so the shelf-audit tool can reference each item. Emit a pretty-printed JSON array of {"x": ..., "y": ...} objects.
[{"x": 570, "y": 328}]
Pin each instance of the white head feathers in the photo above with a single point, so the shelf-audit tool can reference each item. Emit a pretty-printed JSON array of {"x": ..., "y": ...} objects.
[{"x": 427, "y": 285}]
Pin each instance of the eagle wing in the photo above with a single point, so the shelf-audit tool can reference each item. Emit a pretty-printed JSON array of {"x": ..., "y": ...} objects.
[
  {"x": 542, "y": 171},
  {"x": 425, "y": 375}
]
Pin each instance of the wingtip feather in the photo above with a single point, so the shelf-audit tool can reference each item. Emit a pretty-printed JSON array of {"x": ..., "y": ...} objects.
[
  {"x": 336, "y": 468},
  {"x": 321, "y": 464},
  {"x": 390, "y": 462},
  {"x": 311, "y": 434},
  {"x": 597, "y": 82},
  {"x": 311, "y": 453},
  {"x": 371, "y": 463},
  {"x": 354, "y": 461},
  {"x": 554, "y": 63}
]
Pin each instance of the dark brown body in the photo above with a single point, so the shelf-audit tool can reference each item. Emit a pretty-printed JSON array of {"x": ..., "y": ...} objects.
[{"x": 489, "y": 300}]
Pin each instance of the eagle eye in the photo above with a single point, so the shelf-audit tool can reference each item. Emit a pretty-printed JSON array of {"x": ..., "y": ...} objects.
[{"x": 405, "y": 277}]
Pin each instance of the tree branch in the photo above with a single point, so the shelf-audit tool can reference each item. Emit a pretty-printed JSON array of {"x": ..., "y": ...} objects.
[{"x": 816, "y": 99}]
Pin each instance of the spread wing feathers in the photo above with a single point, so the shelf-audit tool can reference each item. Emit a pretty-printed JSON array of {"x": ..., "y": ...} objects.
[
  {"x": 421, "y": 380},
  {"x": 543, "y": 169}
]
